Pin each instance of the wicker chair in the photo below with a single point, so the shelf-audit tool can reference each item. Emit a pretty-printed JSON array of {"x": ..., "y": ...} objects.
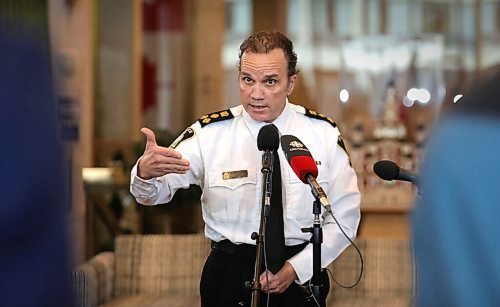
[
  {"x": 388, "y": 277},
  {"x": 165, "y": 270},
  {"x": 144, "y": 270}
]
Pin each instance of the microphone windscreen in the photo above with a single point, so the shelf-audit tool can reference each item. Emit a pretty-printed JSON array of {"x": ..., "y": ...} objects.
[
  {"x": 268, "y": 138},
  {"x": 386, "y": 169},
  {"x": 299, "y": 157},
  {"x": 303, "y": 166}
]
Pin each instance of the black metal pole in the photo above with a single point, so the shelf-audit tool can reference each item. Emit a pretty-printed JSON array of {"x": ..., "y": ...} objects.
[
  {"x": 317, "y": 239},
  {"x": 267, "y": 169}
]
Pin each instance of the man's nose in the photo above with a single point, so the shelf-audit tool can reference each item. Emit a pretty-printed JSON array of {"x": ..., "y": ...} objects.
[{"x": 257, "y": 92}]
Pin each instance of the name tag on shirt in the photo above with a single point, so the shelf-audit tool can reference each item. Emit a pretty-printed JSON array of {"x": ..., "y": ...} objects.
[{"x": 234, "y": 174}]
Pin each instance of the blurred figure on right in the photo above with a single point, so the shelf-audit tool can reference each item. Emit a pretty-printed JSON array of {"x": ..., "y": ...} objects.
[{"x": 456, "y": 221}]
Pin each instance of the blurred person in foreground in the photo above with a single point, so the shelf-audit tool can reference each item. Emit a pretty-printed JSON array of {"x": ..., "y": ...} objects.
[
  {"x": 219, "y": 153},
  {"x": 456, "y": 222},
  {"x": 34, "y": 268}
]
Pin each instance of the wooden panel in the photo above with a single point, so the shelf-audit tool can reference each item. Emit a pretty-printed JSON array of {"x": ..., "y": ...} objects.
[
  {"x": 269, "y": 15},
  {"x": 207, "y": 33}
]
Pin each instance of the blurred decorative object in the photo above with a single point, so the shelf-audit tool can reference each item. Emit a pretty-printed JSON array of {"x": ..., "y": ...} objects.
[
  {"x": 400, "y": 87},
  {"x": 388, "y": 140},
  {"x": 391, "y": 125},
  {"x": 373, "y": 64}
]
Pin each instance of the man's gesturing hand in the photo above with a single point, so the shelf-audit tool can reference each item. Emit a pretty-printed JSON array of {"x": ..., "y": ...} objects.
[{"x": 157, "y": 160}]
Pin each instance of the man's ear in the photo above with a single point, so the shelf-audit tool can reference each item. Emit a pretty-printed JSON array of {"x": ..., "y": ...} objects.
[{"x": 291, "y": 83}]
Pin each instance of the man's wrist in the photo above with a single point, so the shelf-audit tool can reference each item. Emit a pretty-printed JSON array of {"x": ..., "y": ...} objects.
[
  {"x": 139, "y": 170},
  {"x": 290, "y": 271}
]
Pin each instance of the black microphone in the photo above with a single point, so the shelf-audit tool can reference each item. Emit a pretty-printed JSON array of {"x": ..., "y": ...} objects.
[
  {"x": 268, "y": 141},
  {"x": 304, "y": 166},
  {"x": 268, "y": 138},
  {"x": 388, "y": 170}
]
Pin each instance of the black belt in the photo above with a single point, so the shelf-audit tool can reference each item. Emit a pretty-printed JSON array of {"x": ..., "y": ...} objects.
[{"x": 249, "y": 250}]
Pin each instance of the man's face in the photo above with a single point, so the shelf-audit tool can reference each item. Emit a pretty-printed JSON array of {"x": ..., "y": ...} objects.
[{"x": 264, "y": 84}]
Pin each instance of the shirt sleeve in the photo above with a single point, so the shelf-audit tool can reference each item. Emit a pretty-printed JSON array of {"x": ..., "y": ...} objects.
[{"x": 344, "y": 198}]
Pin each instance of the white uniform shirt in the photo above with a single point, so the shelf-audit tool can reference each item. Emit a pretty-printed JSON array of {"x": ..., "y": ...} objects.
[{"x": 231, "y": 206}]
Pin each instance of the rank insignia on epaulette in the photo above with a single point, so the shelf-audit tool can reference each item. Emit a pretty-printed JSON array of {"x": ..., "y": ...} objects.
[
  {"x": 341, "y": 143},
  {"x": 215, "y": 117},
  {"x": 189, "y": 132},
  {"x": 320, "y": 116}
]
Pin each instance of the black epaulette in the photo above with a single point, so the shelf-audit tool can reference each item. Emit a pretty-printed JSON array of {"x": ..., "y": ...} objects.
[
  {"x": 215, "y": 117},
  {"x": 188, "y": 133},
  {"x": 340, "y": 142},
  {"x": 314, "y": 114}
]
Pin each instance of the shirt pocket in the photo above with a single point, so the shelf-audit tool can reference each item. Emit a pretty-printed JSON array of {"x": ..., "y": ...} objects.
[
  {"x": 230, "y": 199},
  {"x": 299, "y": 198}
]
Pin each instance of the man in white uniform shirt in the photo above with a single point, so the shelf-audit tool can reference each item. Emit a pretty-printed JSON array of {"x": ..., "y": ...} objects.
[{"x": 219, "y": 153}]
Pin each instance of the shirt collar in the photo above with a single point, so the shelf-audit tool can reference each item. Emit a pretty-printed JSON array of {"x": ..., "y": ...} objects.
[{"x": 280, "y": 122}]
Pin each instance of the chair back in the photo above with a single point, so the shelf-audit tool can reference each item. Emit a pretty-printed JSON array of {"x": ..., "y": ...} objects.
[{"x": 159, "y": 264}]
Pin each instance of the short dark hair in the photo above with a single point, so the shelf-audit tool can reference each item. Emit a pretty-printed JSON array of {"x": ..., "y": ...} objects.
[{"x": 265, "y": 42}]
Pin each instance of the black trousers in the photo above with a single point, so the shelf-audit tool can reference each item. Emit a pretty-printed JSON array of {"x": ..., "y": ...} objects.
[{"x": 224, "y": 276}]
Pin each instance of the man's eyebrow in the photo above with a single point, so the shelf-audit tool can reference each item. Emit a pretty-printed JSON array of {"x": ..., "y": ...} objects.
[
  {"x": 275, "y": 76},
  {"x": 270, "y": 76}
]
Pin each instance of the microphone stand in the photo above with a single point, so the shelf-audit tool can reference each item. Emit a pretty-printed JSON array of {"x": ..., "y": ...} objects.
[
  {"x": 267, "y": 169},
  {"x": 316, "y": 239}
]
